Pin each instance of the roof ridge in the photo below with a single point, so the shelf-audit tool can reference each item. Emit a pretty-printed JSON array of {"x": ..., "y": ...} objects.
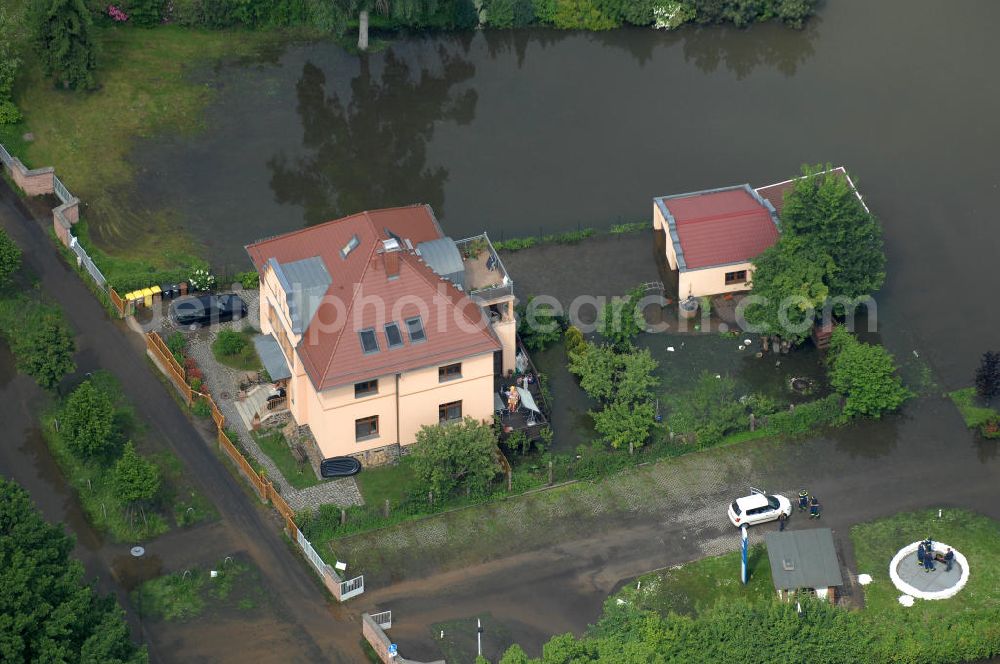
[{"x": 361, "y": 213}]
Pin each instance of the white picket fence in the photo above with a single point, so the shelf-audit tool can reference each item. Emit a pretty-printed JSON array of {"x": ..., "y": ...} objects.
[{"x": 348, "y": 589}]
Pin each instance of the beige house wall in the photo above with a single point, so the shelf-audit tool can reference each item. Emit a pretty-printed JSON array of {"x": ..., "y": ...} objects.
[
  {"x": 331, "y": 414},
  {"x": 660, "y": 224},
  {"x": 711, "y": 280}
]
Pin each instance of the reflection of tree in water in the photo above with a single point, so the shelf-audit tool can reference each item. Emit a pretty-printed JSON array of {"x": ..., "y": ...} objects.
[
  {"x": 370, "y": 150},
  {"x": 741, "y": 50}
]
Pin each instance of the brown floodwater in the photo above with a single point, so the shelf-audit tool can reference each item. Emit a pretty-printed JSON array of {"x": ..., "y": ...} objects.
[{"x": 540, "y": 131}]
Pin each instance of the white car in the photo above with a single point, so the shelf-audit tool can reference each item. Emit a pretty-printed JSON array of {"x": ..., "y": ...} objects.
[{"x": 758, "y": 507}]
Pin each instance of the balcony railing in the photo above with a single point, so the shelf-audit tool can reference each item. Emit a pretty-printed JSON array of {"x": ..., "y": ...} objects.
[{"x": 504, "y": 285}]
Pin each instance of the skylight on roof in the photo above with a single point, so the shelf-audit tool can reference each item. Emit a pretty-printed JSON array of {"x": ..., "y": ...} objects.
[
  {"x": 369, "y": 342},
  {"x": 415, "y": 328},
  {"x": 351, "y": 245},
  {"x": 393, "y": 335}
]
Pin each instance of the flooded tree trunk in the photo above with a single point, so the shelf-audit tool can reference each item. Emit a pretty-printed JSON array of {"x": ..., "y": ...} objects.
[{"x": 363, "y": 30}]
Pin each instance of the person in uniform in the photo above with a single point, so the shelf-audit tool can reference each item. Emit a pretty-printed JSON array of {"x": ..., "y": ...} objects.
[
  {"x": 782, "y": 520},
  {"x": 814, "y": 508},
  {"x": 921, "y": 552},
  {"x": 949, "y": 559},
  {"x": 929, "y": 560},
  {"x": 803, "y": 500}
]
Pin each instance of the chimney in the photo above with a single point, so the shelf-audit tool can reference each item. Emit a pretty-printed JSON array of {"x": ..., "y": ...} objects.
[{"x": 390, "y": 252}]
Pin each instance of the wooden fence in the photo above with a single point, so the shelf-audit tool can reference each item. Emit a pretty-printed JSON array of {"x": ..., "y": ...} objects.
[{"x": 257, "y": 480}]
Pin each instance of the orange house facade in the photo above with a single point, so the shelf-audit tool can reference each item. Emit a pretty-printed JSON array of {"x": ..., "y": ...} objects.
[{"x": 384, "y": 325}]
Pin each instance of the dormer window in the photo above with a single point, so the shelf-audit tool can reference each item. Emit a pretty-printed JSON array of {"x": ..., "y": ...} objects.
[
  {"x": 351, "y": 245},
  {"x": 369, "y": 342},
  {"x": 393, "y": 335},
  {"x": 415, "y": 328}
]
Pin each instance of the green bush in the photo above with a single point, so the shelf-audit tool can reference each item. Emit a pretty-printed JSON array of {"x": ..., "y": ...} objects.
[
  {"x": 201, "y": 408},
  {"x": 144, "y": 13},
  {"x": 230, "y": 342},
  {"x": 807, "y": 417},
  {"x": 865, "y": 374},
  {"x": 509, "y": 13},
  {"x": 87, "y": 422},
  {"x": 249, "y": 279},
  {"x": 538, "y": 325},
  {"x": 573, "y": 338}
]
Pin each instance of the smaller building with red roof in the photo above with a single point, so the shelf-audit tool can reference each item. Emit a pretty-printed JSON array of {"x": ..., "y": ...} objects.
[{"x": 711, "y": 237}]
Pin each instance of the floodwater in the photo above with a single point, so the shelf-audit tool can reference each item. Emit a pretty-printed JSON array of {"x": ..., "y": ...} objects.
[{"x": 530, "y": 131}]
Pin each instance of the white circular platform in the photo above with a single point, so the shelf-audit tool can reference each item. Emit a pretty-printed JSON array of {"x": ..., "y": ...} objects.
[{"x": 942, "y": 593}]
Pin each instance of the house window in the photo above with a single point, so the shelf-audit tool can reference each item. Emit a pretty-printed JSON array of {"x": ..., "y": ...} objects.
[
  {"x": 449, "y": 372},
  {"x": 351, "y": 245},
  {"x": 369, "y": 342},
  {"x": 415, "y": 328},
  {"x": 365, "y": 428},
  {"x": 448, "y": 412},
  {"x": 366, "y": 388},
  {"x": 738, "y": 277},
  {"x": 393, "y": 335}
]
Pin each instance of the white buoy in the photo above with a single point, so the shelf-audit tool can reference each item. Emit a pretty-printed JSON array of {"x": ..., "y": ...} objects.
[
  {"x": 742, "y": 347},
  {"x": 746, "y": 341}
]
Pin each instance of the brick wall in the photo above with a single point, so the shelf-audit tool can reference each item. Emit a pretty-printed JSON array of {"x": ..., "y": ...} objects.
[{"x": 34, "y": 182}]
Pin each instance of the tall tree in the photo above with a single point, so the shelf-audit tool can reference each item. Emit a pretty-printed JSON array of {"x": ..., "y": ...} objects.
[
  {"x": 823, "y": 209},
  {"x": 63, "y": 43},
  {"x": 44, "y": 347},
  {"x": 46, "y": 613},
  {"x": 10, "y": 255},
  {"x": 86, "y": 421},
  {"x": 10, "y": 61},
  {"x": 137, "y": 480},
  {"x": 988, "y": 375},
  {"x": 788, "y": 287},
  {"x": 865, "y": 375},
  {"x": 450, "y": 457}
]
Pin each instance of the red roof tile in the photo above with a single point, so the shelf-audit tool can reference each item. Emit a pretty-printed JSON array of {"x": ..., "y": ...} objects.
[
  {"x": 362, "y": 296},
  {"x": 721, "y": 226}
]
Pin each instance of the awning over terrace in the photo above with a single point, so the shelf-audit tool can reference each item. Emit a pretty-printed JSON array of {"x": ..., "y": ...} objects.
[{"x": 271, "y": 357}]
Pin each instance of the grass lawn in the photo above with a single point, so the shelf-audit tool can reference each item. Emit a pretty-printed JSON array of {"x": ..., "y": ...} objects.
[
  {"x": 975, "y": 414},
  {"x": 700, "y": 585},
  {"x": 235, "y": 349},
  {"x": 976, "y": 536},
  {"x": 394, "y": 482},
  {"x": 299, "y": 474},
  {"x": 188, "y": 594},
  {"x": 145, "y": 88}
]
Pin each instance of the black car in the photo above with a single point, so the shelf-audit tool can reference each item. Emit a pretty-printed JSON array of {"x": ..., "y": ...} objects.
[{"x": 196, "y": 311}]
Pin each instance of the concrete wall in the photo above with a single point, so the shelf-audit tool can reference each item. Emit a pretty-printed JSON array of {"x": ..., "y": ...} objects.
[
  {"x": 710, "y": 280},
  {"x": 377, "y": 639}
]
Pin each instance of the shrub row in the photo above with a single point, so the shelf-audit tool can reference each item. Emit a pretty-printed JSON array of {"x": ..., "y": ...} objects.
[{"x": 462, "y": 14}]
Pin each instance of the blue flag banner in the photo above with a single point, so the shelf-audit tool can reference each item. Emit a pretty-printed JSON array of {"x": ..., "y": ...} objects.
[{"x": 744, "y": 569}]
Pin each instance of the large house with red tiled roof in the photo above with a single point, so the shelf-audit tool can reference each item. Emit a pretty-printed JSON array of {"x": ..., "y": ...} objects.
[
  {"x": 711, "y": 237},
  {"x": 378, "y": 324}
]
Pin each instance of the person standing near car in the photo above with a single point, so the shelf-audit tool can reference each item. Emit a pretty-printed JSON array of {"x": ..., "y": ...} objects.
[
  {"x": 814, "y": 508},
  {"x": 782, "y": 520},
  {"x": 803, "y": 500}
]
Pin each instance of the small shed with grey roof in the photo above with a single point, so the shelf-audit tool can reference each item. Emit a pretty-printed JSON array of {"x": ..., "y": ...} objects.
[
  {"x": 804, "y": 560},
  {"x": 443, "y": 257}
]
